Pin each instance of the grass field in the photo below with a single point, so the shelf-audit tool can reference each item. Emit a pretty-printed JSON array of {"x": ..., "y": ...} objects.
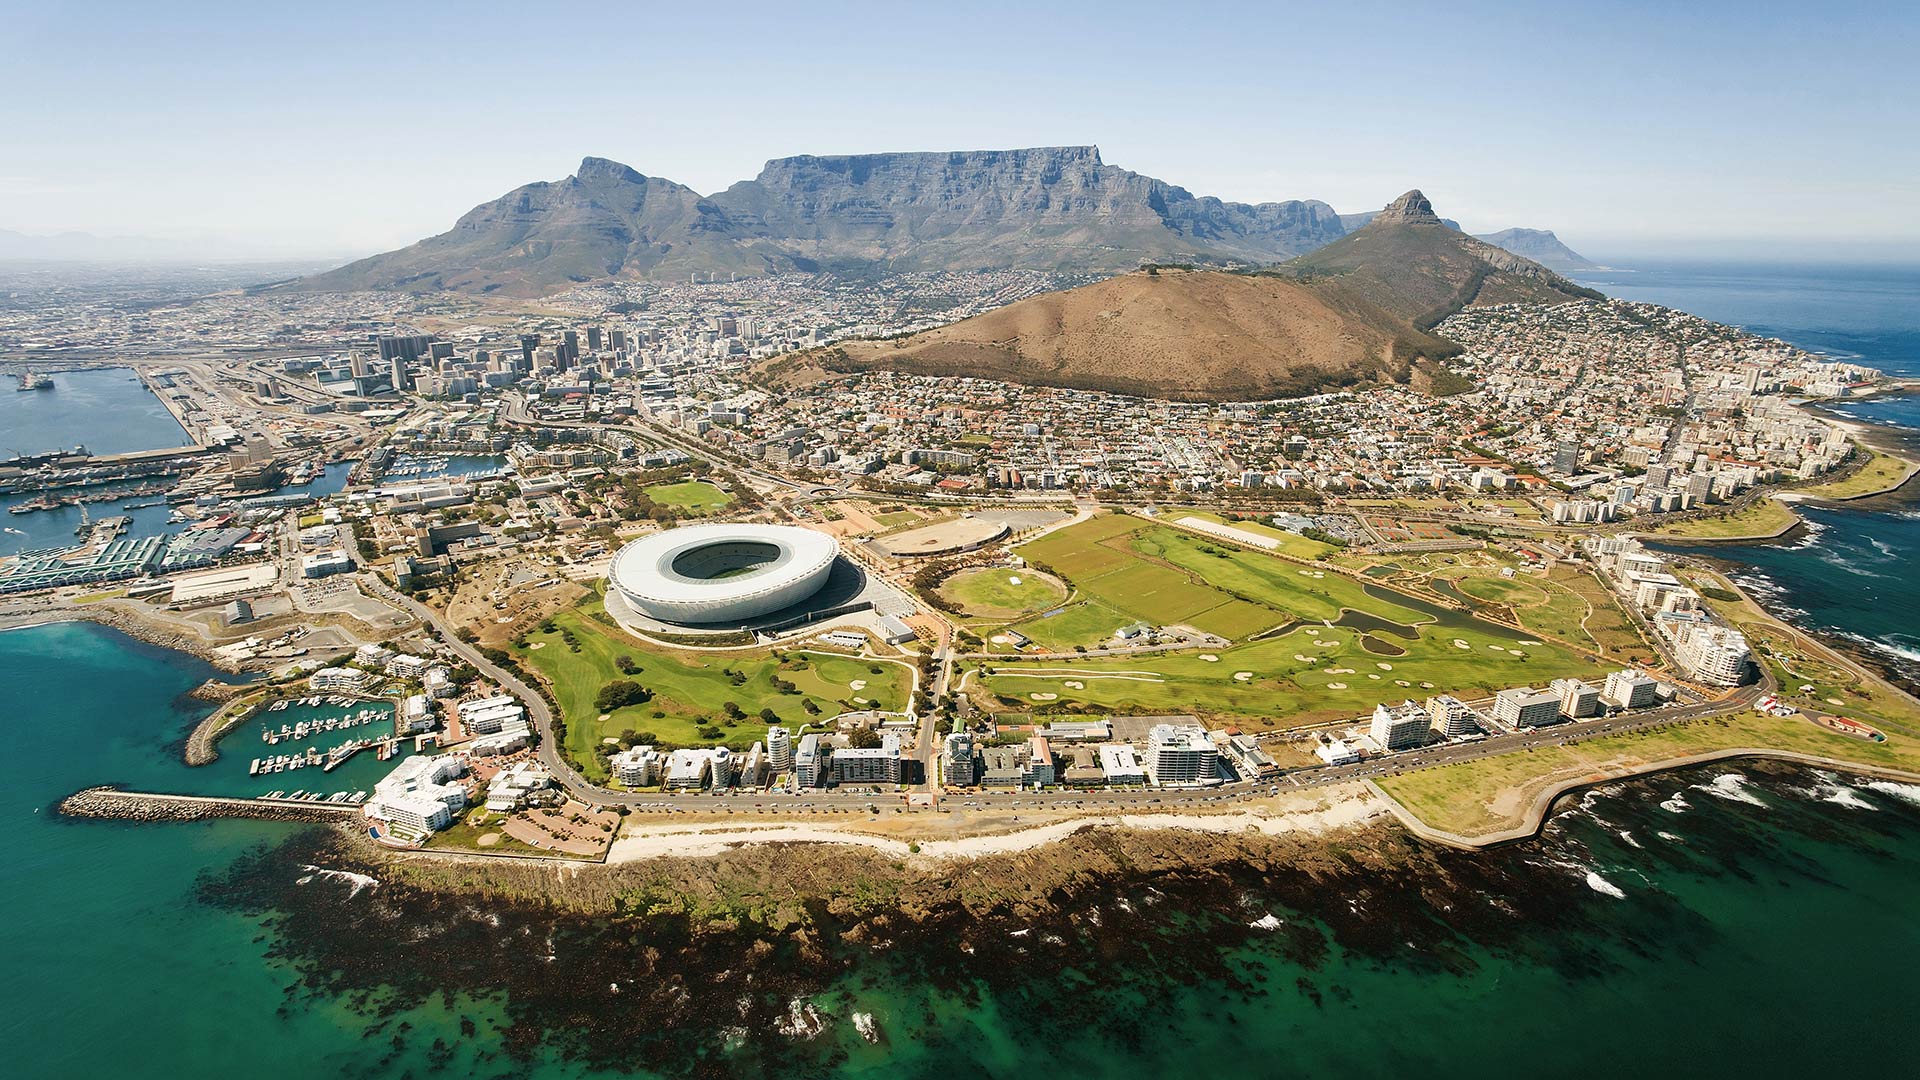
[
  {"x": 691, "y": 688},
  {"x": 1515, "y": 591},
  {"x": 1883, "y": 472},
  {"x": 1268, "y": 685},
  {"x": 1765, "y": 517},
  {"x": 1001, "y": 594},
  {"x": 1167, "y": 576},
  {"x": 1476, "y": 798},
  {"x": 1568, "y": 605},
  {"x": 695, "y": 495},
  {"x": 1086, "y": 623},
  {"x": 1135, "y": 568}
]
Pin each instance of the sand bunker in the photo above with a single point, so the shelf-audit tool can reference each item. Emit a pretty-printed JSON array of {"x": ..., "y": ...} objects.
[
  {"x": 1458, "y": 644},
  {"x": 1336, "y": 686},
  {"x": 857, "y": 684},
  {"x": 1384, "y": 667},
  {"x": 1013, "y": 580},
  {"x": 1243, "y": 676},
  {"x": 1044, "y": 697},
  {"x": 1074, "y": 684},
  {"x": 1209, "y": 658}
]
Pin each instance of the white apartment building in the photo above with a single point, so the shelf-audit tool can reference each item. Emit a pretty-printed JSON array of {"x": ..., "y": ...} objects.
[
  {"x": 1451, "y": 716},
  {"x": 636, "y": 767},
  {"x": 1400, "y": 727},
  {"x": 418, "y": 793},
  {"x": 1181, "y": 755},
  {"x": 1712, "y": 653},
  {"x": 336, "y": 678},
  {"x": 1524, "y": 706},
  {"x": 1630, "y": 689},
  {"x": 1578, "y": 699},
  {"x": 779, "y": 749},
  {"x": 488, "y": 716}
]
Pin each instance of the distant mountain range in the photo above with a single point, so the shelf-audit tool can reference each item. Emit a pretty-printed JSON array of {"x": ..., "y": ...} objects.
[
  {"x": 1360, "y": 309},
  {"x": 1049, "y": 208},
  {"x": 1542, "y": 247},
  {"x": 84, "y": 247}
]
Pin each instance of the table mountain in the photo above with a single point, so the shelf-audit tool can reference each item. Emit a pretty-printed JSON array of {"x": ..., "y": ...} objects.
[{"x": 1048, "y": 208}]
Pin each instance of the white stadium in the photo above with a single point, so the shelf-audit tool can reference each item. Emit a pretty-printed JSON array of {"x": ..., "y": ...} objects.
[{"x": 701, "y": 575}]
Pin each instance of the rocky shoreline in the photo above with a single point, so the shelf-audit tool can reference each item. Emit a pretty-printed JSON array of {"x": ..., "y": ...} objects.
[
  {"x": 119, "y": 619},
  {"x": 759, "y": 961}
]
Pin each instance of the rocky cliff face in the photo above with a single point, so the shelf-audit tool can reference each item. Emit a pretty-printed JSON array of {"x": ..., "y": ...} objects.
[
  {"x": 1048, "y": 208},
  {"x": 1542, "y": 246}
]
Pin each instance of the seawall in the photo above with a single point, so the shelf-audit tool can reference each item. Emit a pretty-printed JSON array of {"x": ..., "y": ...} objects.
[{"x": 112, "y": 804}]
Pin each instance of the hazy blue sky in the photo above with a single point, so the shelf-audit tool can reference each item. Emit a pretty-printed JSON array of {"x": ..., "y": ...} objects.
[{"x": 1708, "y": 128}]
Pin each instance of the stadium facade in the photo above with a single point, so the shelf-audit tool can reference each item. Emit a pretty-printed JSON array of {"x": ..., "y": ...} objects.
[{"x": 704, "y": 575}]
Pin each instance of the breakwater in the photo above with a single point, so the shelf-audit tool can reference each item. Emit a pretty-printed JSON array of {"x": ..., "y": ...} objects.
[{"x": 113, "y": 804}]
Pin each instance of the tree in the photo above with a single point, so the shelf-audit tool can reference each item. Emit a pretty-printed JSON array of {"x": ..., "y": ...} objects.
[
  {"x": 863, "y": 738},
  {"x": 621, "y": 693},
  {"x": 769, "y": 716}
]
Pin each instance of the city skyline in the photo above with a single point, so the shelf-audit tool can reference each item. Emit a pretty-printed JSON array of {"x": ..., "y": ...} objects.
[{"x": 1716, "y": 131}]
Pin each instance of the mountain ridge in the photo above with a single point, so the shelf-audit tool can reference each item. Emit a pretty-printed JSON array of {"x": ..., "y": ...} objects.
[
  {"x": 1358, "y": 310},
  {"x": 1052, "y": 208}
]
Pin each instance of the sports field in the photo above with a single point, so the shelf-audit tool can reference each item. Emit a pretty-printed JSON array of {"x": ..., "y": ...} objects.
[
  {"x": 690, "y": 689},
  {"x": 999, "y": 593},
  {"x": 695, "y": 495}
]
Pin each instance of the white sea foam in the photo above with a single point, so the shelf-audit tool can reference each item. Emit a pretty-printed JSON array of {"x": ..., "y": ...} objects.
[
  {"x": 1268, "y": 921},
  {"x": 1669, "y": 837},
  {"x": 1905, "y": 792},
  {"x": 1676, "y": 805},
  {"x": 1603, "y": 886},
  {"x": 358, "y": 881},
  {"x": 863, "y": 1023},
  {"x": 1627, "y": 838},
  {"x": 1731, "y": 787}
]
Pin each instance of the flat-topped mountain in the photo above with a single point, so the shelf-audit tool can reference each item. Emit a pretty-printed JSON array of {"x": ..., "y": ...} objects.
[
  {"x": 1357, "y": 310},
  {"x": 1045, "y": 208},
  {"x": 1542, "y": 247}
]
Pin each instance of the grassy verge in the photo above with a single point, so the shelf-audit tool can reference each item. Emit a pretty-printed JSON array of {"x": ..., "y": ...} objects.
[
  {"x": 1765, "y": 517},
  {"x": 1882, "y": 472},
  {"x": 1478, "y": 798}
]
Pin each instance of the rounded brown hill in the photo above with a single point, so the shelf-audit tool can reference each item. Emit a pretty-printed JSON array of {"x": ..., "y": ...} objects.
[{"x": 1167, "y": 334}]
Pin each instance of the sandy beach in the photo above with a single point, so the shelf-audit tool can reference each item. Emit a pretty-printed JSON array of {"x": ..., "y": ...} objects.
[{"x": 1318, "y": 812}]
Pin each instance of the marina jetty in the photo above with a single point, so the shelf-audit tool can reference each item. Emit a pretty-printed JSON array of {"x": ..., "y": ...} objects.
[{"x": 112, "y": 803}]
